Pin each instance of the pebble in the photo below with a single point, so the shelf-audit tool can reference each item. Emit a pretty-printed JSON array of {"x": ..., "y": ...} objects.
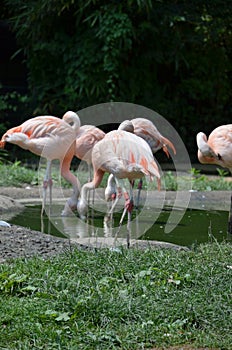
[{"x": 4, "y": 223}]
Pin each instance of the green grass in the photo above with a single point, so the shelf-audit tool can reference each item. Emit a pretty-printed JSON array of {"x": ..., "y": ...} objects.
[
  {"x": 15, "y": 174},
  {"x": 195, "y": 181},
  {"x": 126, "y": 299}
]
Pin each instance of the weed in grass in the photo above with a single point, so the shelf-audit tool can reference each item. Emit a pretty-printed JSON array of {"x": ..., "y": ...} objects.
[{"x": 15, "y": 284}]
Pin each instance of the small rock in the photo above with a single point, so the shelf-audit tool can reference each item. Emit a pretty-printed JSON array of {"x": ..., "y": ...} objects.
[{"x": 4, "y": 223}]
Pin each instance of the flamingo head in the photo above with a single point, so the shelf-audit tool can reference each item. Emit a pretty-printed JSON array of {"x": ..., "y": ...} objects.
[
  {"x": 126, "y": 125},
  {"x": 82, "y": 208},
  {"x": 206, "y": 154},
  {"x": 72, "y": 119}
]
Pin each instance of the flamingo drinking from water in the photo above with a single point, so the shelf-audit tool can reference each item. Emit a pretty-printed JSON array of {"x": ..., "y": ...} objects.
[{"x": 124, "y": 155}]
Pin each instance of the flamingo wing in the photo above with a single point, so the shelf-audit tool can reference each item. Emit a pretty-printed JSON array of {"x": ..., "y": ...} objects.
[
  {"x": 125, "y": 155},
  {"x": 42, "y": 134},
  {"x": 87, "y": 137}
]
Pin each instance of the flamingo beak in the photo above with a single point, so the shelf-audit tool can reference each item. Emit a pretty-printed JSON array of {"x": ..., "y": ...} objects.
[
  {"x": 166, "y": 151},
  {"x": 2, "y": 144}
]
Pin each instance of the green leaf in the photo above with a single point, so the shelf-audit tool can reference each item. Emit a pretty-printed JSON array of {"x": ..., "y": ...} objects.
[{"x": 63, "y": 317}]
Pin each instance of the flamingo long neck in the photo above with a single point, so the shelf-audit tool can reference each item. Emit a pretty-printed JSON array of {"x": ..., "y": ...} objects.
[
  {"x": 127, "y": 125},
  {"x": 204, "y": 147},
  {"x": 110, "y": 189},
  {"x": 68, "y": 175},
  {"x": 82, "y": 204},
  {"x": 73, "y": 120},
  {"x": 97, "y": 179}
]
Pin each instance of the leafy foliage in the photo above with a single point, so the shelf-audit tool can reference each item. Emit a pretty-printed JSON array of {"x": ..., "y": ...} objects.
[{"x": 172, "y": 56}]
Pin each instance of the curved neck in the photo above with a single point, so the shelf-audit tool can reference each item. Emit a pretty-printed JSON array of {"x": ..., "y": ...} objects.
[
  {"x": 126, "y": 125},
  {"x": 203, "y": 145},
  {"x": 73, "y": 120}
]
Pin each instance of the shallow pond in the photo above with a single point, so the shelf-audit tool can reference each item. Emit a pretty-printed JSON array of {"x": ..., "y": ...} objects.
[{"x": 196, "y": 226}]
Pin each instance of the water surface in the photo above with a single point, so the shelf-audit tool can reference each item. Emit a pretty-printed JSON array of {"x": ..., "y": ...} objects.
[{"x": 196, "y": 226}]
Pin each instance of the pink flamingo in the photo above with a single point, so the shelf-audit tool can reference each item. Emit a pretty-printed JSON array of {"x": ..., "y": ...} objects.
[
  {"x": 87, "y": 137},
  {"x": 145, "y": 129},
  {"x": 51, "y": 138},
  {"x": 217, "y": 150},
  {"x": 124, "y": 155}
]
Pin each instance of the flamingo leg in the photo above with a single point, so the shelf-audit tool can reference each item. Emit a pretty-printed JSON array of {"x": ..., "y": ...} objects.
[
  {"x": 127, "y": 209},
  {"x": 129, "y": 205},
  {"x": 110, "y": 213},
  {"x": 140, "y": 186},
  {"x": 230, "y": 217},
  {"x": 120, "y": 224},
  {"x": 50, "y": 183},
  {"x": 128, "y": 237},
  {"x": 89, "y": 180},
  {"x": 115, "y": 196},
  {"x": 47, "y": 183},
  {"x": 90, "y": 172}
]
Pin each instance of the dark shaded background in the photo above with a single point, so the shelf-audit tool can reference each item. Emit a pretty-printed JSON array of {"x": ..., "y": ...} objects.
[{"x": 171, "y": 56}]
